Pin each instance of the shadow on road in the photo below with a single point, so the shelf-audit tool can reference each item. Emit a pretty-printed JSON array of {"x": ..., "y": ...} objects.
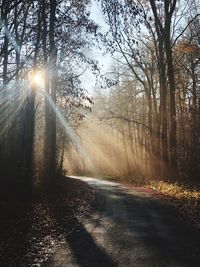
[
  {"x": 82, "y": 249},
  {"x": 131, "y": 229},
  {"x": 86, "y": 251},
  {"x": 147, "y": 231}
]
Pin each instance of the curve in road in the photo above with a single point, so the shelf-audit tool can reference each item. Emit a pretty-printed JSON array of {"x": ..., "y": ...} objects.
[{"x": 130, "y": 228}]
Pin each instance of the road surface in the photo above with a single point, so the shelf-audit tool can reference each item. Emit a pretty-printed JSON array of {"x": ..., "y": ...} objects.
[{"x": 129, "y": 228}]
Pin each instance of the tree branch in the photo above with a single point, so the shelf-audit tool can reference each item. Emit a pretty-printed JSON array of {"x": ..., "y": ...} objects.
[
  {"x": 126, "y": 119},
  {"x": 184, "y": 29}
]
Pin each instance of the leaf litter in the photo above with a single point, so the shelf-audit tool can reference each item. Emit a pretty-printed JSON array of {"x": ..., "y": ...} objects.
[{"x": 31, "y": 231}]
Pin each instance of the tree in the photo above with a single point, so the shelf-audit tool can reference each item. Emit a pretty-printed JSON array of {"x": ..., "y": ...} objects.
[
  {"x": 142, "y": 36},
  {"x": 35, "y": 36},
  {"x": 163, "y": 28}
]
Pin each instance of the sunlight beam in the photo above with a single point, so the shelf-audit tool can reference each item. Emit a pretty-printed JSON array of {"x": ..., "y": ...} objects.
[
  {"x": 71, "y": 134},
  {"x": 12, "y": 114}
]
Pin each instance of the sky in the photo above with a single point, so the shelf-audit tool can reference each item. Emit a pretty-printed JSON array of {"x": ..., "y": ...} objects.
[{"x": 105, "y": 61}]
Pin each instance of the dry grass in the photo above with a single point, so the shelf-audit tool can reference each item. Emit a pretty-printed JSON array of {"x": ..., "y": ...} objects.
[
  {"x": 174, "y": 190},
  {"x": 186, "y": 200}
]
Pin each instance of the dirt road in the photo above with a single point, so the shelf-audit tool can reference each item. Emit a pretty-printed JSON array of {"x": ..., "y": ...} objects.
[{"x": 129, "y": 228}]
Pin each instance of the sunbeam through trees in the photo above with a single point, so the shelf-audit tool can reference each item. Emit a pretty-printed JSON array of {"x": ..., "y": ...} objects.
[{"x": 100, "y": 89}]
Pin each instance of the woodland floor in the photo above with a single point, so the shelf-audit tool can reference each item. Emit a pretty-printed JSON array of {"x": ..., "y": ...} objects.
[
  {"x": 187, "y": 201},
  {"x": 185, "y": 197},
  {"x": 129, "y": 227},
  {"x": 31, "y": 231},
  {"x": 47, "y": 229}
]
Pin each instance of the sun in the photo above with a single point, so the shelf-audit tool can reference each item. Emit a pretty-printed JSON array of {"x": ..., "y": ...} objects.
[{"x": 36, "y": 78}]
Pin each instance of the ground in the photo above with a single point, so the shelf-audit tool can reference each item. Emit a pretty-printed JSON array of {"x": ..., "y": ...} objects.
[
  {"x": 31, "y": 230},
  {"x": 91, "y": 222},
  {"x": 129, "y": 227}
]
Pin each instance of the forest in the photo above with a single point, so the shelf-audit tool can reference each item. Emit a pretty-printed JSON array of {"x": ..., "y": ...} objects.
[
  {"x": 66, "y": 111},
  {"x": 150, "y": 115}
]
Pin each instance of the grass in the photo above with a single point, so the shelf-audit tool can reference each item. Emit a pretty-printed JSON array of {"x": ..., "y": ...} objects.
[{"x": 175, "y": 190}]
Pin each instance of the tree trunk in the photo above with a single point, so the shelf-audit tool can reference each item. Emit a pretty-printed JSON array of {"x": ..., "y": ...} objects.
[
  {"x": 125, "y": 150},
  {"x": 4, "y": 140},
  {"x": 30, "y": 118},
  {"x": 46, "y": 151},
  {"x": 173, "y": 125},
  {"x": 194, "y": 128},
  {"x": 53, "y": 81},
  {"x": 163, "y": 101}
]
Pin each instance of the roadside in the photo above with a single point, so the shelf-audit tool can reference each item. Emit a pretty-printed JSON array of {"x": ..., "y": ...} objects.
[
  {"x": 129, "y": 227},
  {"x": 185, "y": 198},
  {"x": 31, "y": 231},
  {"x": 38, "y": 231}
]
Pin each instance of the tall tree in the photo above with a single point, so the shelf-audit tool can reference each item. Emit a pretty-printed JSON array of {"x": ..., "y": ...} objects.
[{"x": 163, "y": 23}]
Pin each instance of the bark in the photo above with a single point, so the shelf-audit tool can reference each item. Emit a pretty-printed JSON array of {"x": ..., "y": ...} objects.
[
  {"x": 30, "y": 119},
  {"x": 172, "y": 90},
  {"x": 4, "y": 140},
  {"x": 194, "y": 122},
  {"x": 164, "y": 36},
  {"x": 46, "y": 151},
  {"x": 125, "y": 150},
  {"x": 53, "y": 81},
  {"x": 150, "y": 122},
  {"x": 163, "y": 101}
]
